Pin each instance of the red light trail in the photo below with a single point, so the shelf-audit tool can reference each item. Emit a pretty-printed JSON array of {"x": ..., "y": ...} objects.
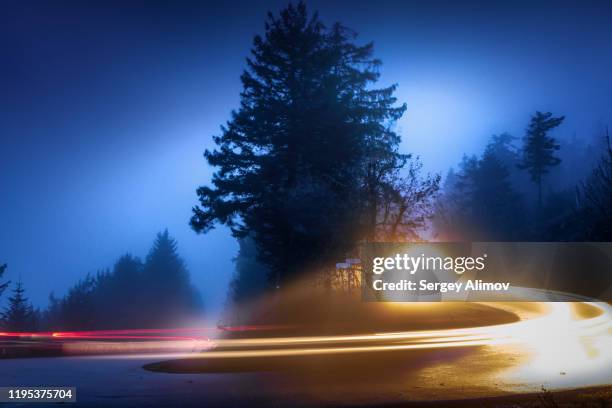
[{"x": 192, "y": 333}]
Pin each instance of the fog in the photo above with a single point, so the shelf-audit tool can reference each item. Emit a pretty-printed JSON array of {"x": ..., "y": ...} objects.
[{"x": 106, "y": 110}]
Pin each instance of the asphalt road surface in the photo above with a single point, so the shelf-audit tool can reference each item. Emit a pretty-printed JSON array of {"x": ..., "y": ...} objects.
[{"x": 555, "y": 345}]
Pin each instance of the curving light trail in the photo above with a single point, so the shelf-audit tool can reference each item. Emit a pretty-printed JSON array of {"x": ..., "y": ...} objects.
[
  {"x": 560, "y": 344},
  {"x": 553, "y": 322}
]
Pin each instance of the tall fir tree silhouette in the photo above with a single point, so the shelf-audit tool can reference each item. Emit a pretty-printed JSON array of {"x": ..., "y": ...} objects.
[
  {"x": 538, "y": 153},
  {"x": 19, "y": 316},
  {"x": 302, "y": 162},
  {"x": 118, "y": 299},
  {"x": 494, "y": 201},
  {"x": 77, "y": 307},
  {"x": 170, "y": 298}
]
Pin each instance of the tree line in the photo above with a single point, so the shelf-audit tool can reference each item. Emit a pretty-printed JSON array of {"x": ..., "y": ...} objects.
[
  {"x": 507, "y": 194},
  {"x": 156, "y": 293},
  {"x": 309, "y": 166}
]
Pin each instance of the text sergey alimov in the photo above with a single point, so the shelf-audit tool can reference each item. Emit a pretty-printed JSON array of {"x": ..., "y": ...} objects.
[
  {"x": 486, "y": 271},
  {"x": 413, "y": 264},
  {"x": 442, "y": 287}
]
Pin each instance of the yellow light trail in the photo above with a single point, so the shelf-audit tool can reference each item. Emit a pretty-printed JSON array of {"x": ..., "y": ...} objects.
[{"x": 554, "y": 346}]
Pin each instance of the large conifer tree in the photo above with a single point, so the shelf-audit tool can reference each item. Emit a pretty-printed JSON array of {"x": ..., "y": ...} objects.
[
  {"x": 303, "y": 161},
  {"x": 539, "y": 148}
]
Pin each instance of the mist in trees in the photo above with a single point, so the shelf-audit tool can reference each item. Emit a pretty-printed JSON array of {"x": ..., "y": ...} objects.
[
  {"x": 404, "y": 204},
  {"x": 596, "y": 199},
  {"x": 168, "y": 293},
  {"x": 513, "y": 191},
  {"x": 309, "y": 164},
  {"x": 154, "y": 294},
  {"x": 479, "y": 201},
  {"x": 538, "y": 153}
]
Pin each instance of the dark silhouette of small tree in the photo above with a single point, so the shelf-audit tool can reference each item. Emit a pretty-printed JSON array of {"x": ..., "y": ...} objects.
[
  {"x": 4, "y": 285},
  {"x": 406, "y": 204},
  {"x": 77, "y": 307},
  {"x": 170, "y": 298},
  {"x": 494, "y": 202},
  {"x": 538, "y": 153},
  {"x": 19, "y": 316},
  {"x": 118, "y": 299},
  {"x": 597, "y": 193},
  {"x": 502, "y": 146},
  {"x": 479, "y": 201},
  {"x": 126, "y": 290},
  {"x": 52, "y": 315}
]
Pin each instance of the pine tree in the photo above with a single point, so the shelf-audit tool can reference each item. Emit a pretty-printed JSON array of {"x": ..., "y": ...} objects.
[
  {"x": 301, "y": 164},
  {"x": 77, "y": 307},
  {"x": 539, "y": 148},
  {"x": 465, "y": 216},
  {"x": 479, "y": 201},
  {"x": 52, "y": 316},
  {"x": 169, "y": 295},
  {"x": 118, "y": 296},
  {"x": 4, "y": 285},
  {"x": 502, "y": 146},
  {"x": 163, "y": 264},
  {"x": 445, "y": 223},
  {"x": 597, "y": 197},
  {"x": 19, "y": 315},
  {"x": 494, "y": 202}
]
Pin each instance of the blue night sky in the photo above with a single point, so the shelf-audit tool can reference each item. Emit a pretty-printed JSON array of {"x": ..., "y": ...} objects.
[{"x": 106, "y": 108}]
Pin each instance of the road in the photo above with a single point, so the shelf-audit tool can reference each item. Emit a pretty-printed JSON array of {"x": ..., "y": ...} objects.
[{"x": 555, "y": 345}]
